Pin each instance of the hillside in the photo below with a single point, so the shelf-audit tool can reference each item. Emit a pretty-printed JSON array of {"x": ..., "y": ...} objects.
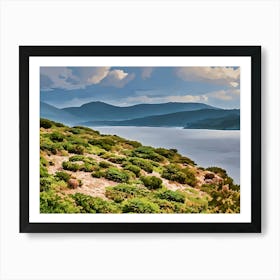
[
  {"x": 83, "y": 171},
  {"x": 50, "y": 112},
  {"x": 229, "y": 122},
  {"x": 102, "y": 111},
  {"x": 189, "y": 119}
]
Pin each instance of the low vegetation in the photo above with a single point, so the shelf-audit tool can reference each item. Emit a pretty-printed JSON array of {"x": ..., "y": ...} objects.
[{"x": 129, "y": 178}]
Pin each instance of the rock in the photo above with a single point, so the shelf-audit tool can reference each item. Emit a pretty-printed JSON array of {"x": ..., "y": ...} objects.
[
  {"x": 225, "y": 188},
  {"x": 73, "y": 183}
]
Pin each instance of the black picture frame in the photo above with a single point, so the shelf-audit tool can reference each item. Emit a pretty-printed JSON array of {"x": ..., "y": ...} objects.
[{"x": 254, "y": 52}]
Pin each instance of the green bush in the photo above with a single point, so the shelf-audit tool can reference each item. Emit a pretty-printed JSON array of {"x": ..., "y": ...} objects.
[
  {"x": 67, "y": 165},
  {"x": 133, "y": 168},
  {"x": 172, "y": 195},
  {"x": 142, "y": 163},
  {"x": 147, "y": 153},
  {"x": 116, "y": 175},
  {"x": 124, "y": 191},
  {"x": 45, "y": 184},
  {"x": 166, "y": 152},
  {"x": 62, "y": 176},
  {"x": 91, "y": 204},
  {"x": 140, "y": 205},
  {"x": 43, "y": 171},
  {"x": 50, "y": 202},
  {"x": 104, "y": 164},
  {"x": 222, "y": 201},
  {"x": 98, "y": 174},
  {"x": 56, "y": 137},
  {"x": 134, "y": 144},
  {"x": 116, "y": 159},
  {"x": 151, "y": 182},
  {"x": 75, "y": 149},
  {"x": 218, "y": 170},
  {"x": 45, "y": 123},
  {"x": 181, "y": 175},
  {"x": 87, "y": 167},
  {"x": 104, "y": 143},
  {"x": 49, "y": 148},
  {"x": 77, "y": 158}
]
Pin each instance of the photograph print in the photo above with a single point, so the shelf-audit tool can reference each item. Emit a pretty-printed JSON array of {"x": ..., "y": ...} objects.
[{"x": 141, "y": 140}]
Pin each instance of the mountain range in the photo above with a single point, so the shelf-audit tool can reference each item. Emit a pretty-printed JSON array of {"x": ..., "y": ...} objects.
[{"x": 172, "y": 114}]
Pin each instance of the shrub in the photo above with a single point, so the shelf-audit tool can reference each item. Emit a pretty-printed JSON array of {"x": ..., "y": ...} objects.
[
  {"x": 91, "y": 204},
  {"x": 49, "y": 148},
  {"x": 134, "y": 144},
  {"x": 43, "y": 171},
  {"x": 67, "y": 165},
  {"x": 45, "y": 123},
  {"x": 175, "y": 173},
  {"x": 45, "y": 184},
  {"x": 62, "y": 176},
  {"x": 77, "y": 158},
  {"x": 75, "y": 149},
  {"x": 151, "y": 182},
  {"x": 123, "y": 191},
  {"x": 147, "y": 153},
  {"x": 166, "y": 153},
  {"x": 133, "y": 168},
  {"x": 140, "y": 205},
  {"x": 172, "y": 195},
  {"x": 98, "y": 174},
  {"x": 87, "y": 167},
  {"x": 218, "y": 170},
  {"x": 104, "y": 164},
  {"x": 50, "y": 202},
  {"x": 56, "y": 137},
  {"x": 118, "y": 160},
  {"x": 116, "y": 175},
  {"x": 104, "y": 143},
  {"x": 142, "y": 163}
]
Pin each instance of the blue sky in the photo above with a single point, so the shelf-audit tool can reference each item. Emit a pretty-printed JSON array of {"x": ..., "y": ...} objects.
[{"x": 125, "y": 86}]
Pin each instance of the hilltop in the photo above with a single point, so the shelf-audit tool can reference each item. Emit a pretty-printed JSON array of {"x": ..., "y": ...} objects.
[{"x": 83, "y": 171}]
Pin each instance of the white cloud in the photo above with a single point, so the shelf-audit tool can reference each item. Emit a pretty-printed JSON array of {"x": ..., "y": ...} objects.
[
  {"x": 220, "y": 75},
  {"x": 162, "y": 99},
  {"x": 146, "y": 72},
  {"x": 118, "y": 78},
  {"x": 225, "y": 94}
]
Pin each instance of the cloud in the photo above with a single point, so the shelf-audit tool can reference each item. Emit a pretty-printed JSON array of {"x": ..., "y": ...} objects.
[
  {"x": 163, "y": 99},
  {"x": 146, "y": 72},
  {"x": 118, "y": 78},
  {"x": 71, "y": 78},
  {"x": 224, "y": 94},
  {"x": 90, "y": 75},
  {"x": 228, "y": 76}
]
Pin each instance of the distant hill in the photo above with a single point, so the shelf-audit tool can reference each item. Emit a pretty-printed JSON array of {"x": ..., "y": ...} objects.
[
  {"x": 95, "y": 111},
  {"x": 52, "y": 113},
  {"x": 189, "y": 119},
  {"x": 230, "y": 122}
]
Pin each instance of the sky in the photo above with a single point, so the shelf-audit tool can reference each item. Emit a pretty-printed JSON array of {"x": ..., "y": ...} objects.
[{"x": 125, "y": 86}]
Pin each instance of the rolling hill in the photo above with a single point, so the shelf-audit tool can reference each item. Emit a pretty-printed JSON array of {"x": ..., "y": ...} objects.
[
  {"x": 188, "y": 119},
  {"x": 52, "y": 113},
  {"x": 100, "y": 111}
]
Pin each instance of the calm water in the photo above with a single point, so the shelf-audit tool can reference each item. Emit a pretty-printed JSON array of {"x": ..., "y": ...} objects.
[{"x": 206, "y": 147}]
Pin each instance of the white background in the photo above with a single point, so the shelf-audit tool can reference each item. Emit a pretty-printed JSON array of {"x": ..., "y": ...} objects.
[{"x": 139, "y": 256}]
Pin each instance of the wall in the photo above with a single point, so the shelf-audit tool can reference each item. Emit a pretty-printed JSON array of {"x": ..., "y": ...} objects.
[{"x": 138, "y": 256}]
